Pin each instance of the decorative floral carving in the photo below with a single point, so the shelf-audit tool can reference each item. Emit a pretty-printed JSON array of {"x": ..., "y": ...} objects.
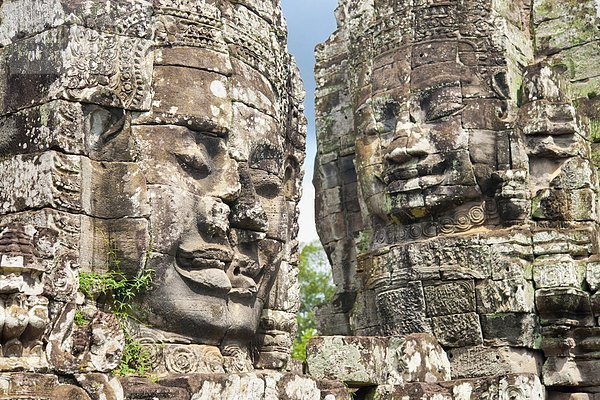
[
  {"x": 110, "y": 64},
  {"x": 180, "y": 359}
]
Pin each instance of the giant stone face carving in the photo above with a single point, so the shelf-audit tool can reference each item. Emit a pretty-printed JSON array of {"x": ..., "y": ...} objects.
[
  {"x": 164, "y": 136},
  {"x": 417, "y": 148},
  {"x": 456, "y": 188}
]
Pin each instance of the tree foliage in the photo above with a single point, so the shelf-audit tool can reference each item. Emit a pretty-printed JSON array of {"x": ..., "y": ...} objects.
[{"x": 316, "y": 288}]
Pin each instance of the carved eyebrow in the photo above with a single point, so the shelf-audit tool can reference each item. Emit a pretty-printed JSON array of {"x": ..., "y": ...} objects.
[{"x": 213, "y": 145}]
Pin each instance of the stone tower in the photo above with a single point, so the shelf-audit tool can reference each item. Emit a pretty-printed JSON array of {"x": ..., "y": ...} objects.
[
  {"x": 457, "y": 182},
  {"x": 142, "y": 137}
]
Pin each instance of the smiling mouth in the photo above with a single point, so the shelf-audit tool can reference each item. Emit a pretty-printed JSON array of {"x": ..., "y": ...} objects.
[
  {"x": 205, "y": 266},
  {"x": 414, "y": 183},
  {"x": 403, "y": 179}
]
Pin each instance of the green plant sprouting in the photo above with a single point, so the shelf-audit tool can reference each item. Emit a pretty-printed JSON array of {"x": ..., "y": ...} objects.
[
  {"x": 120, "y": 290},
  {"x": 114, "y": 283},
  {"x": 81, "y": 319},
  {"x": 136, "y": 359}
]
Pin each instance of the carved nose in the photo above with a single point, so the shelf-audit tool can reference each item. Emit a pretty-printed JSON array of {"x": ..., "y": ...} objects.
[
  {"x": 247, "y": 211},
  {"x": 398, "y": 155},
  {"x": 403, "y": 151}
]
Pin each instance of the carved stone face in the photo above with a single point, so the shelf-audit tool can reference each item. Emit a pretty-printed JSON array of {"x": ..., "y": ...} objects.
[
  {"x": 216, "y": 230},
  {"x": 472, "y": 213},
  {"x": 218, "y": 157},
  {"x": 166, "y": 136},
  {"x": 414, "y": 161}
]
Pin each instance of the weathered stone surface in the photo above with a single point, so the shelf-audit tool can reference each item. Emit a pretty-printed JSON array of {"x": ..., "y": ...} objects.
[
  {"x": 512, "y": 386},
  {"x": 368, "y": 361},
  {"x": 512, "y": 329},
  {"x": 80, "y": 64},
  {"x": 479, "y": 361},
  {"x": 20, "y": 385},
  {"x": 415, "y": 390},
  {"x": 568, "y": 341},
  {"x": 100, "y": 386},
  {"x": 255, "y": 386},
  {"x": 164, "y": 136},
  {"x": 572, "y": 396},
  {"x": 564, "y": 306},
  {"x": 458, "y": 330},
  {"x": 520, "y": 386},
  {"x": 559, "y": 371},
  {"x": 27, "y": 18},
  {"x": 141, "y": 388},
  {"x": 470, "y": 207}
]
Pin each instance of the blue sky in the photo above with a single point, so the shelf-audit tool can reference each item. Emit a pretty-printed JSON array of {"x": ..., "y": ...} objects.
[{"x": 309, "y": 22}]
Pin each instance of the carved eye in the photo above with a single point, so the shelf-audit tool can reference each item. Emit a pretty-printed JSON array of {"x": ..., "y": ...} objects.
[
  {"x": 194, "y": 163},
  {"x": 267, "y": 189},
  {"x": 442, "y": 101}
]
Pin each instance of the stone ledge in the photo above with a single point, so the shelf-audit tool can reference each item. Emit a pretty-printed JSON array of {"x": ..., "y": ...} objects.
[
  {"x": 520, "y": 386},
  {"x": 247, "y": 386}
]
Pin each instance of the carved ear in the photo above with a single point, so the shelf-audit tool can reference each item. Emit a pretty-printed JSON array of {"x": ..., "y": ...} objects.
[{"x": 103, "y": 123}]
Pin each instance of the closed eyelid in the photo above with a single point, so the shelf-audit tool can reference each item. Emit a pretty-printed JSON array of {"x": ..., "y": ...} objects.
[{"x": 197, "y": 162}]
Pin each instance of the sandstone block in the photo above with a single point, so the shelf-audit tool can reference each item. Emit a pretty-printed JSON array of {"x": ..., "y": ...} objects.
[
  {"x": 593, "y": 275},
  {"x": 561, "y": 371},
  {"x": 564, "y": 306},
  {"x": 377, "y": 360},
  {"x": 450, "y": 298},
  {"x": 179, "y": 108},
  {"x": 22, "y": 385},
  {"x": 413, "y": 391},
  {"x": 403, "y": 310},
  {"x": 571, "y": 396},
  {"x": 251, "y": 386},
  {"x": 49, "y": 179},
  {"x": 479, "y": 361},
  {"x": 61, "y": 73},
  {"x": 54, "y": 125},
  {"x": 458, "y": 330},
  {"x": 510, "y": 386},
  {"x": 566, "y": 341},
  {"x": 558, "y": 271},
  {"x": 508, "y": 295},
  {"x": 510, "y": 329},
  {"x": 27, "y": 18}
]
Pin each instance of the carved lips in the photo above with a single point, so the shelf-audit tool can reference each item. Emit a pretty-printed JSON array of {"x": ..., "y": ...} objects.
[
  {"x": 407, "y": 177},
  {"x": 218, "y": 268},
  {"x": 205, "y": 266}
]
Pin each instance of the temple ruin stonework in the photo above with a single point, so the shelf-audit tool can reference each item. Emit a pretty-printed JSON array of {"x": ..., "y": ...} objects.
[
  {"x": 457, "y": 195},
  {"x": 151, "y": 156},
  {"x": 162, "y": 139}
]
